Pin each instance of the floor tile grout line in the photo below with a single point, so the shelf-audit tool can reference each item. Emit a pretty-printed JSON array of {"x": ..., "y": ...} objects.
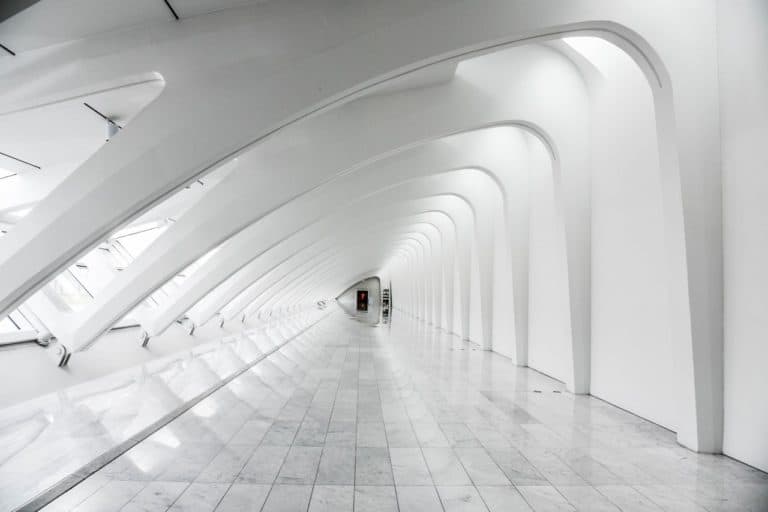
[
  {"x": 147, "y": 432},
  {"x": 461, "y": 462},
  {"x": 287, "y": 454},
  {"x": 218, "y": 503},
  {"x": 258, "y": 445},
  {"x": 386, "y": 437},
  {"x": 552, "y": 449},
  {"x": 322, "y": 451},
  {"x": 649, "y": 498},
  {"x": 90, "y": 494},
  {"x": 485, "y": 448},
  {"x": 126, "y": 503},
  {"x": 357, "y": 378},
  {"x": 234, "y": 480},
  {"x": 421, "y": 451}
]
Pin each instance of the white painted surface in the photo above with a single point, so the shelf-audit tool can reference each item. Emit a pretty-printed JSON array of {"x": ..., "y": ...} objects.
[
  {"x": 601, "y": 227},
  {"x": 633, "y": 358},
  {"x": 743, "y": 40},
  {"x": 549, "y": 339}
]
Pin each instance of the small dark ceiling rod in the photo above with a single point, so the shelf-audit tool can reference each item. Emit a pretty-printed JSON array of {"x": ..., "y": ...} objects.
[
  {"x": 110, "y": 121},
  {"x": 20, "y": 160},
  {"x": 7, "y": 49},
  {"x": 170, "y": 8}
]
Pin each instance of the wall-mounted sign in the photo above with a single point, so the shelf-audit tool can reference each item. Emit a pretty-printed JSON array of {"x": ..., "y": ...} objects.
[{"x": 362, "y": 300}]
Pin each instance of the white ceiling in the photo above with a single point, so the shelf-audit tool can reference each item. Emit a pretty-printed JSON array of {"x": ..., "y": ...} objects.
[
  {"x": 58, "y": 137},
  {"x": 50, "y": 22},
  {"x": 68, "y": 132},
  {"x": 429, "y": 76}
]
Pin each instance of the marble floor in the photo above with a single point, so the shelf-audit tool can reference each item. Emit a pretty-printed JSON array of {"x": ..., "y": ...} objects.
[
  {"x": 399, "y": 416},
  {"x": 50, "y": 443}
]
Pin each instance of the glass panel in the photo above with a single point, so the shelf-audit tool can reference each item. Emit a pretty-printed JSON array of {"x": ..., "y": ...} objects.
[
  {"x": 21, "y": 321},
  {"x": 67, "y": 293},
  {"x": 81, "y": 272},
  {"x": 15, "y": 322},
  {"x": 94, "y": 270},
  {"x": 137, "y": 241},
  {"x": 116, "y": 255},
  {"x": 7, "y": 325}
]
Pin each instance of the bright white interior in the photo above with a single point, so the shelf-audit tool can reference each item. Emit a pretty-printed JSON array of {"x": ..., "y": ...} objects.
[{"x": 580, "y": 190}]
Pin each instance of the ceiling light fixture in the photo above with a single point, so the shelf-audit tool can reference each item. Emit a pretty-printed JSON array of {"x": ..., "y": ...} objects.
[{"x": 112, "y": 126}]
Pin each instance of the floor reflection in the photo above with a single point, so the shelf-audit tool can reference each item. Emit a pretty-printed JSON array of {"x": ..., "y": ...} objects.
[
  {"x": 348, "y": 417},
  {"x": 58, "y": 439}
]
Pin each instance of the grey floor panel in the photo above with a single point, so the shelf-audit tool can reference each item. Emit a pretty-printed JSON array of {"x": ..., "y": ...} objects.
[{"x": 398, "y": 417}]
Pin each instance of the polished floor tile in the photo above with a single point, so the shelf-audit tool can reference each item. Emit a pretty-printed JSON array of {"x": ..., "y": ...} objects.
[
  {"x": 375, "y": 498},
  {"x": 337, "y": 466},
  {"x": 401, "y": 417},
  {"x": 371, "y": 434},
  {"x": 588, "y": 498},
  {"x": 401, "y": 435},
  {"x": 52, "y": 440},
  {"x": 288, "y": 498},
  {"x": 418, "y": 499},
  {"x": 480, "y": 467},
  {"x": 113, "y": 496},
  {"x": 461, "y": 499},
  {"x": 199, "y": 498},
  {"x": 227, "y": 464},
  {"x": 373, "y": 467},
  {"x": 445, "y": 467},
  {"x": 264, "y": 465},
  {"x": 459, "y": 435},
  {"x": 545, "y": 498},
  {"x": 332, "y": 498},
  {"x": 503, "y": 498},
  {"x": 156, "y": 496},
  {"x": 409, "y": 467},
  {"x": 243, "y": 498},
  {"x": 300, "y": 466},
  {"x": 78, "y": 494},
  {"x": 628, "y": 498}
]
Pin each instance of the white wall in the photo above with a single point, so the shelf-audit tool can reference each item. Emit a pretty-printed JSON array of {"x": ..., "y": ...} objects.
[
  {"x": 632, "y": 357},
  {"x": 475, "y": 307},
  {"x": 503, "y": 295},
  {"x": 743, "y": 63},
  {"x": 457, "y": 326},
  {"x": 549, "y": 349}
]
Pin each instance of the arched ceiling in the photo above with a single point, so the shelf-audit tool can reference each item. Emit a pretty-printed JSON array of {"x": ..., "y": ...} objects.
[{"x": 313, "y": 143}]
